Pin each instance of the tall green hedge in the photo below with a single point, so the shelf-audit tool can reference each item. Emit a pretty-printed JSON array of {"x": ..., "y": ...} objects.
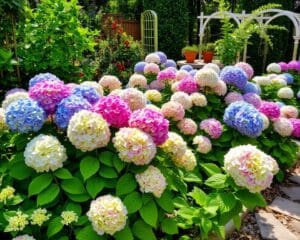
[{"x": 172, "y": 25}]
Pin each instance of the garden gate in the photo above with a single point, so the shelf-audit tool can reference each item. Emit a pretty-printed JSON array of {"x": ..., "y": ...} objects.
[{"x": 149, "y": 31}]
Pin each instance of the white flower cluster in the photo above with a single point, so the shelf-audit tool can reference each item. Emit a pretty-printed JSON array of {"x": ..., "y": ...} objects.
[
  {"x": 44, "y": 153},
  {"x": 207, "y": 78},
  {"x": 88, "y": 131},
  {"x": 107, "y": 214},
  {"x": 182, "y": 98}
]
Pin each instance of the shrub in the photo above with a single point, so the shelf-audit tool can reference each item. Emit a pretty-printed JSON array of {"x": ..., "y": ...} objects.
[{"x": 55, "y": 41}]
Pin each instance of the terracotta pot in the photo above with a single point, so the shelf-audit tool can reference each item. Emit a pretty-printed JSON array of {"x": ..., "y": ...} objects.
[
  {"x": 207, "y": 56},
  {"x": 190, "y": 56}
]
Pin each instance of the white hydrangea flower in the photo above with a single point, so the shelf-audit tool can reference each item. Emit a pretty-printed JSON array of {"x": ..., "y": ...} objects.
[
  {"x": 262, "y": 80},
  {"x": 152, "y": 58},
  {"x": 68, "y": 217},
  {"x": 137, "y": 80},
  {"x": 285, "y": 93},
  {"x": 212, "y": 66},
  {"x": 203, "y": 144},
  {"x": 134, "y": 98},
  {"x": 13, "y": 97},
  {"x": 44, "y": 153},
  {"x": 39, "y": 216},
  {"x": 198, "y": 99},
  {"x": 152, "y": 181},
  {"x": 174, "y": 145},
  {"x": 273, "y": 68},
  {"x": 153, "y": 95},
  {"x": 207, "y": 78},
  {"x": 265, "y": 120},
  {"x": 182, "y": 98},
  {"x": 283, "y": 127},
  {"x": 187, "y": 161},
  {"x": 24, "y": 237},
  {"x": 110, "y": 83},
  {"x": 88, "y": 131},
  {"x": 107, "y": 214},
  {"x": 3, "y": 125},
  {"x": 17, "y": 223}
]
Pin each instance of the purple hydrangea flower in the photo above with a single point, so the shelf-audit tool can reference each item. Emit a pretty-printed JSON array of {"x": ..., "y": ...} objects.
[
  {"x": 139, "y": 67},
  {"x": 42, "y": 77},
  {"x": 234, "y": 76},
  {"x": 186, "y": 67},
  {"x": 87, "y": 92},
  {"x": 170, "y": 63},
  {"x": 162, "y": 56}
]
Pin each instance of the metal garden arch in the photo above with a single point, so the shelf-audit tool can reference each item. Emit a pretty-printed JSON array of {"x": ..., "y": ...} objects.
[{"x": 149, "y": 32}]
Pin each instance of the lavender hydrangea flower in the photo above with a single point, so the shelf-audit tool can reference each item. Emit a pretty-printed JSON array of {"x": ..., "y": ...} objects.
[
  {"x": 87, "y": 92},
  {"x": 234, "y": 76},
  {"x": 170, "y": 63},
  {"x": 162, "y": 56},
  {"x": 14, "y": 90},
  {"x": 42, "y": 77},
  {"x": 139, "y": 67},
  {"x": 251, "y": 88},
  {"x": 25, "y": 115},
  {"x": 253, "y": 99},
  {"x": 68, "y": 107},
  {"x": 186, "y": 67}
]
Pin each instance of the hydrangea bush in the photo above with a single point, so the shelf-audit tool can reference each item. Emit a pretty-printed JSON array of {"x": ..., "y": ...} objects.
[{"x": 175, "y": 154}]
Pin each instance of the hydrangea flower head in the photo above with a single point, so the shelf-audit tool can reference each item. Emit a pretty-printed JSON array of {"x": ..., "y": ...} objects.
[
  {"x": 251, "y": 87},
  {"x": 49, "y": 94},
  {"x": 198, "y": 99},
  {"x": 283, "y": 66},
  {"x": 270, "y": 109},
  {"x": 114, "y": 110},
  {"x": 152, "y": 123},
  {"x": 88, "y": 131},
  {"x": 43, "y": 77},
  {"x": 173, "y": 111},
  {"x": 182, "y": 98},
  {"x": 17, "y": 223},
  {"x": 187, "y": 161},
  {"x": 68, "y": 217},
  {"x": 6, "y": 194},
  {"x": 253, "y": 99},
  {"x": 247, "y": 68},
  {"x": 186, "y": 67},
  {"x": 212, "y": 66},
  {"x": 166, "y": 76},
  {"x": 289, "y": 111},
  {"x": 39, "y": 216},
  {"x": 107, "y": 214},
  {"x": 14, "y": 97},
  {"x": 212, "y": 127},
  {"x": 289, "y": 78},
  {"x": 273, "y": 68},
  {"x": 283, "y": 127},
  {"x": 232, "y": 97},
  {"x": 285, "y": 93},
  {"x": 44, "y": 153},
  {"x": 296, "y": 127},
  {"x": 134, "y": 98},
  {"x": 93, "y": 84},
  {"x": 221, "y": 88},
  {"x": 234, "y": 76},
  {"x": 187, "y": 126},
  {"x": 151, "y": 68},
  {"x": 250, "y": 167},
  {"x": 14, "y": 90},
  {"x": 162, "y": 56},
  {"x": 134, "y": 145},
  {"x": 152, "y": 181},
  {"x": 138, "y": 81},
  {"x": 294, "y": 65},
  {"x": 152, "y": 58},
  {"x": 175, "y": 146},
  {"x": 87, "y": 92},
  {"x": 170, "y": 63},
  {"x": 139, "y": 67},
  {"x": 25, "y": 116},
  {"x": 203, "y": 144},
  {"x": 67, "y": 107},
  {"x": 181, "y": 74},
  {"x": 153, "y": 95},
  {"x": 3, "y": 125},
  {"x": 110, "y": 83},
  {"x": 207, "y": 78},
  {"x": 188, "y": 85}
]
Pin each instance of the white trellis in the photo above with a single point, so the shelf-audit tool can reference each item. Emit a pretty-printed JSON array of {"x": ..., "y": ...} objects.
[{"x": 264, "y": 17}]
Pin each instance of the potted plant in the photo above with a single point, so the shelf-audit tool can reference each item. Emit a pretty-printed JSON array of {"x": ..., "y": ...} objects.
[
  {"x": 190, "y": 53},
  {"x": 208, "y": 52}
]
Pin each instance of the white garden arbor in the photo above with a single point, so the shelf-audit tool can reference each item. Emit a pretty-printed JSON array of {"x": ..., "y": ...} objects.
[{"x": 264, "y": 17}]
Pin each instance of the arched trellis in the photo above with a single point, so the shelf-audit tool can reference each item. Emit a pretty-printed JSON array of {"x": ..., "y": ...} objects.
[{"x": 264, "y": 17}]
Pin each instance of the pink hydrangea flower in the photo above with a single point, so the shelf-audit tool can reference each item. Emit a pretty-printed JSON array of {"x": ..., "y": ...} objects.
[
  {"x": 157, "y": 85},
  {"x": 173, "y": 110},
  {"x": 233, "y": 97},
  {"x": 283, "y": 66},
  {"x": 49, "y": 93},
  {"x": 247, "y": 68},
  {"x": 188, "y": 85},
  {"x": 212, "y": 127},
  {"x": 151, "y": 68},
  {"x": 167, "y": 75},
  {"x": 270, "y": 109},
  {"x": 114, "y": 110},
  {"x": 151, "y": 122},
  {"x": 296, "y": 127},
  {"x": 288, "y": 111},
  {"x": 187, "y": 126}
]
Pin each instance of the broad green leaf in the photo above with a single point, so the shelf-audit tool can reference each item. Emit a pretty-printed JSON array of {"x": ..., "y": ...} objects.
[
  {"x": 82, "y": 220},
  {"x": 54, "y": 227},
  {"x": 63, "y": 173},
  {"x": 75, "y": 207},
  {"x": 108, "y": 172},
  {"x": 48, "y": 195},
  {"x": 89, "y": 166},
  {"x": 199, "y": 196},
  {"x": 206, "y": 225},
  {"x": 250, "y": 200},
  {"x": 17, "y": 199},
  {"x": 165, "y": 201},
  {"x": 227, "y": 201},
  {"x": 118, "y": 164},
  {"x": 79, "y": 197},
  {"x": 169, "y": 226},
  {"x": 126, "y": 184},
  {"x": 149, "y": 213},
  {"x": 133, "y": 202},
  {"x": 227, "y": 216},
  {"x": 192, "y": 177},
  {"x": 216, "y": 181},
  {"x": 210, "y": 168},
  {"x": 94, "y": 185},
  {"x": 20, "y": 171},
  {"x": 124, "y": 234},
  {"x": 88, "y": 233},
  {"x": 73, "y": 186},
  {"x": 106, "y": 158},
  {"x": 237, "y": 221},
  {"x": 143, "y": 231},
  {"x": 39, "y": 183}
]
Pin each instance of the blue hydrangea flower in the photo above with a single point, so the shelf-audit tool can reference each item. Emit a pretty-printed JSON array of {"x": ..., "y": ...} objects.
[
  {"x": 67, "y": 107},
  {"x": 298, "y": 94},
  {"x": 139, "y": 67},
  {"x": 162, "y": 56},
  {"x": 245, "y": 118},
  {"x": 234, "y": 76},
  {"x": 251, "y": 87},
  {"x": 87, "y": 92},
  {"x": 289, "y": 78},
  {"x": 42, "y": 77},
  {"x": 186, "y": 67},
  {"x": 170, "y": 63},
  {"x": 193, "y": 72},
  {"x": 25, "y": 115}
]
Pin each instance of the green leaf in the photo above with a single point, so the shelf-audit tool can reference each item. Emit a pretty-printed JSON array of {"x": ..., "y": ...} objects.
[
  {"x": 192, "y": 177},
  {"x": 124, "y": 234},
  {"x": 126, "y": 184},
  {"x": 237, "y": 221},
  {"x": 88, "y": 233},
  {"x": 63, "y": 173},
  {"x": 210, "y": 168},
  {"x": 227, "y": 201},
  {"x": 88, "y": 167},
  {"x": 79, "y": 197},
  {"x": 20, "y": 171},
  {"x": 17, "y": 199},
  {"x": 94, "y": 186},
  {"x": 39, "y": 183},
  {"x": 149, "y": 213},
  {"x": 118, "y": 164},
  {"x": 107, "y": 172},
  {"x": 250, "y": 200},
  {"x": 206, "y": 225},
  {"x": 226, "y": 216},
  {"x": 166, "y": 201},
  {"x": 143, "y": 231},
  {"x": 82, "y": 220},
  {"x": 48, "y": 195},
  {"x": 73, "y": 186},
  {"x": 54, "y": 227},
  {"x": 75, "y": 207},
  {"x": 169, "y": 226},
  {"x": 106, "y": 158},
  {"x": 199, "y": 196},
  {"x": 217, "y": 181},
  {"x": 133, "y": 202}
]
